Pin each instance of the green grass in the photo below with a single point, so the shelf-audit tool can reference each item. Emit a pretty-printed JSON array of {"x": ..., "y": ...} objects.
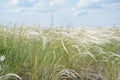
[{"x": 40, "y": 54}]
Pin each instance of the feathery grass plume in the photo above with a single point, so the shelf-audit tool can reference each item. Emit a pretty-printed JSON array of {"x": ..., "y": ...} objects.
[
  {"x": 46, "y": 51},
  {"x": 94, "y": 76},
  {"x": 67, "y": 74},
  {"x": 10, "y": 76},
  {"x": 2, "y": 58}
]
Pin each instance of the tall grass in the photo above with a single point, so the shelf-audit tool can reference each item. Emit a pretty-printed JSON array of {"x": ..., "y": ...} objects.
[{"x": 40, "y": 54}]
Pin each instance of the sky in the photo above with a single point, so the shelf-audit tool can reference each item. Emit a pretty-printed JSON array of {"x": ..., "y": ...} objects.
[{"x": 68, "y": 13}]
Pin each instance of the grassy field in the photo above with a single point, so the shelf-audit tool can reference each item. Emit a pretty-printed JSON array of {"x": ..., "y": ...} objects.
[{"x": 60, "y": 53}]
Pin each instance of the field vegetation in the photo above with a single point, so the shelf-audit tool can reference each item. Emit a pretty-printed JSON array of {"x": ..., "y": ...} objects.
[{"x": 34, "y": 53}]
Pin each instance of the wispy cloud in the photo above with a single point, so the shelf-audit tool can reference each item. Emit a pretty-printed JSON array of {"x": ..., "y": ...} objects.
[
  {"x": 32, "y": 0},
  {"x": 57, "y": 2},
  {"x": 114, "y": 5},
  {"x": 86, "y": 3},
  {"x": 15, "y": 6},
  {"x": 82, "y": 6},
  {"x": 14, "y": 2},
  {"x": 92, "y": 11},
  {"x": 9, "y": 3},
  {"x": 76, "y": 12},
  {"x": 43, "y": 6},
  {"x": 14, "y": 10},
  {"x": 34, "y": 9},
  {"x": 11, "y": 6}
]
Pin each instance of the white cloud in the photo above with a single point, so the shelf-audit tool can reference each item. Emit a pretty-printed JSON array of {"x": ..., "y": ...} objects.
[
  {"x": 10, "y": 3},
  {"x": 77, "y": 12},
  {"x": 14, "y": 2},
  {"x": 14, "y": 10},
  {"x": 82, "y": 6},
  {"x": 57, "y": 2},
  {"x": 115, "y": 5},
  {"x": 32, "y": 0},
  {"x": 86, "y": 3},
  {"x": 37, "y": 6},
  {"x": 34, "y": 9},
  {"x": 11, "y": 6}
]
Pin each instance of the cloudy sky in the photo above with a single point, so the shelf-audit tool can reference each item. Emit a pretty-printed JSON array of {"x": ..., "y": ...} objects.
[{"x": 61, "y": 12}]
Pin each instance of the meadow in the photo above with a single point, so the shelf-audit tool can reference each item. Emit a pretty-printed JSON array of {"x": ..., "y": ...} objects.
[{"x": 34, "y": 53}]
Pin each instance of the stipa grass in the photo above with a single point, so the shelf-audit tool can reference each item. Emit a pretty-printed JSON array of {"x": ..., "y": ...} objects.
[
  {"x": 40, "y": 54},
  {"x": 10, "y": 76}
]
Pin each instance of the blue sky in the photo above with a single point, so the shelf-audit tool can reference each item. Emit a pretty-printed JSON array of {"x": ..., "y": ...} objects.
[{"x": 65, "y": 12}]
